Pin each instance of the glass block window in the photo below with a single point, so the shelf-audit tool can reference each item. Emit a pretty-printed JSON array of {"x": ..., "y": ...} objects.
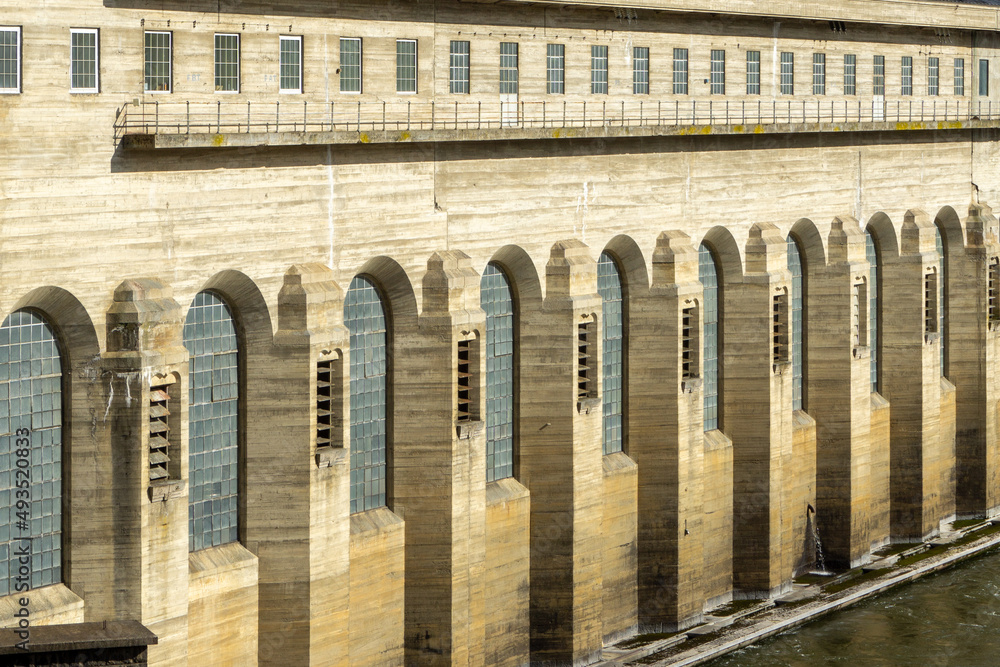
[
  {"x": 10, "y": 60},
  {"x": 680, "y": 71},
  {"x": 609, "y": 285},
  {"x": 555, "y": 69},
  {"x": 796, "y": 316},
  {"x": 30, "y": 450},
  {"x": 933, "y": 76},
  {"x": 227, "y": 63},
  {"x": 984, "y": 77},
  {"x": 213, "y": 422},
  {"x": 290, "y": 64},
  {"x": 819, "y": 74},
  {"x": 871, "y": 251},
  {"x": 508, "y": 68},
  {"x": 942, "y": 309},
  {"x": 458, "y": 67},
  {"x": 850, "y": 74},
  {"x": 753, "y": 72},
  {"x": 350, "y": 65},
  {"x": 406, "y": 65},
  {"x": 718, "y": 73},
  {"x": 878, "y": 77},
  {"x": 640, "y": 70},
  {"x": 960, "y": 76},
  {"x": 157, "y": 66},
  {"x": 599, "y": 70},
  {"x": 906, "y": 88},
  {"x": 83, "y": 68},
  {"x": 787, "y": 73},
  {"x": 497, "y": 301},
  {"x": 365, "y": 317},
  {"x": 708, "y": 274}
]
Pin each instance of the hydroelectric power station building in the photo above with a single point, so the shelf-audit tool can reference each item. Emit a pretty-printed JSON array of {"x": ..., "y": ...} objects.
[{"x": 442, "y": 332}]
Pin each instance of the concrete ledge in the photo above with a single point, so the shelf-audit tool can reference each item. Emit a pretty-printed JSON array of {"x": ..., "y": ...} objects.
[
  {"x": 54, "y": 604},
  {"x": 260, "y": 139},
  {"x": 79, "y": 637}
]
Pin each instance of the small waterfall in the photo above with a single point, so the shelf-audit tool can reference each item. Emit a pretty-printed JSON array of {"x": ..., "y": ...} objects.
[{"x": 820, "y": 556}]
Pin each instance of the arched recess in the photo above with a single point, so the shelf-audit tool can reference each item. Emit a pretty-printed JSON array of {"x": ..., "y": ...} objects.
[
  {"x": 631, "y": 262},
  {"x": 397, "y": 299},
  {"x": 951, "y": 249},
  {"x": 727, "y": 254},
  {"x": 87, "y": 566},
  {"x": 884, "y": 233},
  {"x": 807, "y": 258},
  {"x": 519, "y": 267},
  {"x": 880, "y": 245},
  {"x": 254, "y": 331}
]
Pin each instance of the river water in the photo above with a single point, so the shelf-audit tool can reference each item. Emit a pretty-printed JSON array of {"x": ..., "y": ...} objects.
[{"x": 951, "y": 618}]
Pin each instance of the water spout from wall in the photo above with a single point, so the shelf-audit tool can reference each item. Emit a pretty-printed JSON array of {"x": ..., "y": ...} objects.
[{"x": 814, "y": 527}]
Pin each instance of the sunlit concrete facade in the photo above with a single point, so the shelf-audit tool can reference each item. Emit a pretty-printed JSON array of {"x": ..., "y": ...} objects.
[{"x": 207, "y": 486}]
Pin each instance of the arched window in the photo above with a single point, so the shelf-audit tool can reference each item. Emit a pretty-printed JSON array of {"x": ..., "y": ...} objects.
[
  {"x": 942, "y": 304},
  {"x": 365, "y": 317},
  {"x": 30, "y": 451},
  {"x": 213, "y": 422},
  {"x": 871, "y": 250},
  {"x": 497, "y": 301},
  {"x": 797, "y": 329},
  {"x": 708, "y": 274},
  {"x": 609, "y": 285}
]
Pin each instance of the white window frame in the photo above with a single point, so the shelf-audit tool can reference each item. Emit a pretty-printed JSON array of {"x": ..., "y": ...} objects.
[
  {"x": 290, "y": 38},
  {"x": 16, "y": 90},
  {"x": 460, "y": 67},
  {"x": 97, "y": 60},
  {"x": 361, "y": 66},
  {"x": 416, "y": 68},
  {"x": 170, "y": 61},
  {"x": 239, "y": 62},
  {"x": 717, "y": 85}
]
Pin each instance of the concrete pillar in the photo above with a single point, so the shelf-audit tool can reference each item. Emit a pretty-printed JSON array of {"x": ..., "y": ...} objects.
[
  {"x": 757, "y": 411},
  {"x": 839, "y": 393},
  {"x": 911, "y": 377},
  {"x": 146, "y": 365},
  {"x": 303, "y": 548},
  {"x": 440, "y": 475},
  {"x": 971, "y": 333},
  {"x": 666, "y": 438},
  {"x": 560, "y": 460}
]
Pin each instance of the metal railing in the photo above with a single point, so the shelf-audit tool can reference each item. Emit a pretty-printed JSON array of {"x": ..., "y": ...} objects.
[{"x": 236, "y": 117}]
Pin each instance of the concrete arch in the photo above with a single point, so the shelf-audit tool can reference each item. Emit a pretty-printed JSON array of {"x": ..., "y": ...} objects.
[
  {"x": 884, "y": 233},
  {"x": 952, "y": 231},
  {"x": 727, "y": 254},
  {"x": 810, "y": 243},
  {"x": 632, "y": 265},
  {"x": 523, "y": 277},
  {"x": 240, "y": 292},
  {"x": 69, "y": 319},
  {"x": 396, "y": 288}
]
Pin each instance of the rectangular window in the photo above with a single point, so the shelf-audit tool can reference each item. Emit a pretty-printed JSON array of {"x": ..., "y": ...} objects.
[
  {"x": 718, "y": 72},
  {"x": 779, "y": 329},
  {"x": 993, "y": 290},
  {"x": 10, "y": 60},
  {"x": 227, "y": 63},
  {"x": 599, "y": 70},
  {"x": 960, "y": 76},
  {"x": 907, "y": 84},
  {"x": 290, "y": 64},
  {"x": 458, "y": 68},
  {"x": 859, "y": 321},
  {"x": 468, "y": 386},
  {"x": 680, "y": 71},
  {"x": 819, "y": 74},
  {"x": 83, "y": 66},
  {"x": 930, "y": 302},
  {"x": 984, "y": 77},
  {"x": 555, "y": 69},
  {"x": 157, "y": 74},
  {"x": 933, "y": 76},
  {"x": 586, "y": 376},
  {"x": 787, "y": 73},
  {"x": 508, "y": 68},
  {"x": 753, "y": 72},
  {"x": 350, "y": 65},
  {"x": 878, "y": 78},
  {"x": 690, "y": 343},
  {"x": 406, "y": 65},
  {"x": 640, "y": 70},
  {"x": 850, "y": 74}
]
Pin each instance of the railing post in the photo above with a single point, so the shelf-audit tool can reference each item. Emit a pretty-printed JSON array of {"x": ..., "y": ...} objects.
[
  {"x": 521, "y": 119},
  {"x": 156, "y": 123},
  {"x": 331, "y": 116},
  {"x": 277, "y": 115},
  {"x": 543, "y": 113},
  {"x": 218, "y": 116},
  {"x": 479, "y": 116},
  {"x": 623, "y": 113},
  {"x": 432, "y": 114},
  {"x": 305, "y": 116},
  {"x": 456, "y": 114},
  {"x": 585, "y": 113},
  {"x": 407, "y": 116},
  {"x": 383, "y": 115},
  {"x": 694, "y": 112},
  {"x": 564, "y": 113},
  {"x": 711, "y": 113},
  {"x": 248, "y": 116},
  {"x": 640, "y": 113},
  {"x": 188, "y": 103},
  {"x": 359, "y": 115},
  {"x": 604, "y": 114}
]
